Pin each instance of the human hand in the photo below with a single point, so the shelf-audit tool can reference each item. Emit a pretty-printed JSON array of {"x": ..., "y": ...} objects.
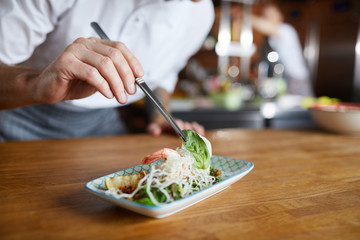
[
  {"x": 86, "y": 66},
  {"x": 157, "y": 128}
]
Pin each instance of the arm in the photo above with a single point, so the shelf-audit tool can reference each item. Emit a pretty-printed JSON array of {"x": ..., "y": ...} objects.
[
  {"x": 16, "y": 86},
  {"x": 86, "y": 66},
  {"x": 158, "y": 123}
]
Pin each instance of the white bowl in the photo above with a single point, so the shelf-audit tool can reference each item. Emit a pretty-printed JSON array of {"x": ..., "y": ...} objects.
[{"x": 343, "y": 118}]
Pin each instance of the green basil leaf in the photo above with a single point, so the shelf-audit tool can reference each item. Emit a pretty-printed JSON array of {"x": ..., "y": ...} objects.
[{"x": 197, "y": 147}]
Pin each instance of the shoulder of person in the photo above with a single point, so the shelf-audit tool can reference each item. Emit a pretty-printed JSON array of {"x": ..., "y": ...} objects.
[
  {"x": 49, "y": 7},
  {"x": 201, "y": 11}
]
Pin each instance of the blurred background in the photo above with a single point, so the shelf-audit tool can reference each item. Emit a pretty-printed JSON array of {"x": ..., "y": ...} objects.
[{"x": 231, "y": 83}]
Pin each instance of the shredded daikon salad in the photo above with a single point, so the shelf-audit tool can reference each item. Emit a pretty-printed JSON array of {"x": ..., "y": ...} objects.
[{"x": 177, "y": 177}]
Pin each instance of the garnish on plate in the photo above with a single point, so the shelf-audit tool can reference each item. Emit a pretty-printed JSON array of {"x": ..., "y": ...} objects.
[{"x": 183, "y": 171}]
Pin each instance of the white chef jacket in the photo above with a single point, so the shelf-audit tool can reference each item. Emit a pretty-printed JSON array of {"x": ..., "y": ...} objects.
[
  {"x": 287, "y": 44},
  {"x": 161, "y": 34}
]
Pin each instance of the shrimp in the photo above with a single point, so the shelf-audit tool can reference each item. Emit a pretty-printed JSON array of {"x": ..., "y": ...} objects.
[
  {"x": 128, "y": 183},
  {"x": 160, "y": 154}
]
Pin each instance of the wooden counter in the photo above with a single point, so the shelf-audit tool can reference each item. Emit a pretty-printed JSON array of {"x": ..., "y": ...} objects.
[{"x": 305, "y": 185}]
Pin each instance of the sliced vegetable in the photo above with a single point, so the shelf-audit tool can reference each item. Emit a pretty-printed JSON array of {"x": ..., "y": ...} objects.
[{"x": 198, "y": 148}]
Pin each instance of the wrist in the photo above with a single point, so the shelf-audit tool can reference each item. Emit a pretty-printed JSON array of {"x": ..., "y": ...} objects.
[
  {"x": 30, "y": 94},
  {"x": 16, "y": 86}
]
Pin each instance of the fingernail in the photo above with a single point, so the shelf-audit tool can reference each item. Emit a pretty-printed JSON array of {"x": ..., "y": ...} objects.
[
  {"x": 139, "y": 71},
  {"x": 110, "y": 94},
  {"x": 123, "y": 97},
  {"x": 132, "y": 88}
]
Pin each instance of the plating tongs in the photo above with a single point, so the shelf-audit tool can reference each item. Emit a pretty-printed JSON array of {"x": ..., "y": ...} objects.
[{"x": 144, "y": 87}]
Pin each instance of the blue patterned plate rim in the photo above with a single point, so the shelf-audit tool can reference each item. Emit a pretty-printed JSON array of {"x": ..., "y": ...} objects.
[{"x": 248, "y": 166}]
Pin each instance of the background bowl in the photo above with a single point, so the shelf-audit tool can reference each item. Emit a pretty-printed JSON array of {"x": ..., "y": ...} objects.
[{"x": 341, "y": 118}]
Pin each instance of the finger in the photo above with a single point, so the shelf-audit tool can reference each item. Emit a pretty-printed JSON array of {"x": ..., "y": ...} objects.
[
  {"x": 122, "y": 65},
  {"x": 198, "y": 128},
  {"x": 154, "y": 129},
  {"x": 106, "y": 68},
  {"x": 193, "y": 125},
  {"x": 180, "y": 123},
  {"x": 133, "y": 62},
  {"x": 128, "y": 66},
  {"x": 187, "y": 125},
  {"x": 80, "y": 70},
  {"x": 183, "y": 124}
]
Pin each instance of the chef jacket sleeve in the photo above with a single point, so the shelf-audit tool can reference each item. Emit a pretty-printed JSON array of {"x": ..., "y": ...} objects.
[{"x": 24, "y": 25}]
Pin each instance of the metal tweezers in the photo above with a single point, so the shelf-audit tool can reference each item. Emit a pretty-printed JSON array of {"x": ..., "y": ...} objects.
[{"x": 144, "y": 87}]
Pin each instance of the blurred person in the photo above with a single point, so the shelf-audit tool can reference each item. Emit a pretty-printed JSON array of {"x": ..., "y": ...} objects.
[
  {"x": 59, "y": 80},
  {"x": 283, "y": 39}
]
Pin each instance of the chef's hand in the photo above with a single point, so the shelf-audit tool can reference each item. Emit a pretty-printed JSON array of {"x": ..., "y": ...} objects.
[
  {"x": 157, "y": 128},
  {"x": 86, "y": 66}
]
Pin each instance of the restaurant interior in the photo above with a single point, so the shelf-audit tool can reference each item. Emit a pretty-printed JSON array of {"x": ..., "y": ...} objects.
[
  {"x": 329, "y": 35},
  {"x": 225, "y": 90}
]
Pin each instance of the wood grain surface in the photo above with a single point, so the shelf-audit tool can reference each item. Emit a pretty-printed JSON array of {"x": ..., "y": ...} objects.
[{"x": 305, "y": 185}]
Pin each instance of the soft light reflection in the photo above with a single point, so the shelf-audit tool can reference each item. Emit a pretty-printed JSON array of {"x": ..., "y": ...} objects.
[
  {"x": 268, "y": 110},
  {"x": 209, "y": 43},
  {"x": 279, "y": 69},
  {"x": 224, "y": 36},
  {"x": 246, "y": 38},
  {"x": 221, "y": 49},
  {"x": 273, "y": 56},
  {"x": 309, "y": 52},
  {"x": 223, "y": 134},
  {"x": 233, "y": 71}
]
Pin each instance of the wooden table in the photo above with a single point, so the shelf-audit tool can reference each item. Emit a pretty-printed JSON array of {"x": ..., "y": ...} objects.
[{"x": 305, "y": 185}]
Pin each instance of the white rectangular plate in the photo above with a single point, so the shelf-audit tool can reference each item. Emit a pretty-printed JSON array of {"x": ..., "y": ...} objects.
[{"x": 231, "y": 171}]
